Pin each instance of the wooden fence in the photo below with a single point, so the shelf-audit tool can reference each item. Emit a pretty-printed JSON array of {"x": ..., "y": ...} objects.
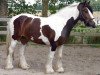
[
  {"x": 3, "y": 20},
  {"x": 79, "y": 32}
]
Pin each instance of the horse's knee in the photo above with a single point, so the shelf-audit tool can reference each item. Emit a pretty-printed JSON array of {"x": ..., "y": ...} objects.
[
  {"x": 12, "y": 45},
  {"x": 10, "y": 51}
]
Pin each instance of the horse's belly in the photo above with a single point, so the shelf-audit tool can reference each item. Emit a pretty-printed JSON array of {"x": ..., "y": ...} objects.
[{"x": 38, "y": 41}]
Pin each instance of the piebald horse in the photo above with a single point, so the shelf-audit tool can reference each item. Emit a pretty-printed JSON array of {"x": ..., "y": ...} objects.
[{"x": 53, "y": 31}]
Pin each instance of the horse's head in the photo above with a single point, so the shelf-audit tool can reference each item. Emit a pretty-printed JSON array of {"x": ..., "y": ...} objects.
[{"x": 86, "y": 14}]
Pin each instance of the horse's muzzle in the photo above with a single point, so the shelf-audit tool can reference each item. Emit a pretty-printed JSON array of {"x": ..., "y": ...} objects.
[{"x": 92, "y": 24}]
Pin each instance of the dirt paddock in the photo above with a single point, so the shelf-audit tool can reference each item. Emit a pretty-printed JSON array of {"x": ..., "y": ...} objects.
[{"x": 76, "y": 60}]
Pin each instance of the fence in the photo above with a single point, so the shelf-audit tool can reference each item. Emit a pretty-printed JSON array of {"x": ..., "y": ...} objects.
[
  {"x": 77, "y": 32},
  {"x": 85, "y": 33}
]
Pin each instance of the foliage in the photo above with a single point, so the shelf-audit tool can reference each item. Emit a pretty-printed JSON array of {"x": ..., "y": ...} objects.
[
  {"x": 72, "y": 40},
  {"x": 88, "y": 39},
  {"x": 2, "y": 38},
  {"x": 20, "y": 7},
  {"x": 95, "y": 5},
  {"x": 54, "y": 5}
]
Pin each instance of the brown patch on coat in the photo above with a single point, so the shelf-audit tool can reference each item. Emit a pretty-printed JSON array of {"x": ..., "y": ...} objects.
[
  {"x": 65, "y": 33},
  {"x": 48, "y": 32},
  {"x": 25, "y": 28},
  {"x": 61, "y": 41},
  {"x": 17, "y": 26},
  {"x": 35, "y": 31}
]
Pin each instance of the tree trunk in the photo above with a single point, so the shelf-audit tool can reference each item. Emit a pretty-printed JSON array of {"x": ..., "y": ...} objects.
[
  {"x": 3, "y": 8},
  {"x": 45, "y": 8}
]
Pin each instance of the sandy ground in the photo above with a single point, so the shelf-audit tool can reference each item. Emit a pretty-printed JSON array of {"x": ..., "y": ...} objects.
[{"x": 76, "y": 60}]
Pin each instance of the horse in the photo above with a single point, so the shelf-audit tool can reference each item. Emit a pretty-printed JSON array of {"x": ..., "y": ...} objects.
[{"x": 53, "y": 31}]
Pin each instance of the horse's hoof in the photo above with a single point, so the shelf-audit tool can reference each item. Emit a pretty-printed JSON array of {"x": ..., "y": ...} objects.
[
  {"x": 60, "y": 70},
  {"x": 49, "y": 71},
  {"x": 9, "y": 67},
  {"x": 25, "y": 67}
]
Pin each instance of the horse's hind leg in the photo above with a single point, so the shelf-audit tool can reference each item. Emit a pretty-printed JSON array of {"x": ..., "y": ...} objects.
[
  {"x": 9, "y": 64},
  {"x": 59, "y": 59},
  {"x": 23, "y": 64}
]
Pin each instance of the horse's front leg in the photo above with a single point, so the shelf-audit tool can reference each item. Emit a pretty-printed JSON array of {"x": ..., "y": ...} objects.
[
  {"x": 49, "y": 67},
  {"x": 23, "y": 64},
  {"x": 59, "y": 66}
]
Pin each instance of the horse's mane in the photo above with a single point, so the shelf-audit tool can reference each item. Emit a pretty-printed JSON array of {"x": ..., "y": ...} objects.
[
  {"x": 73, "y": 4},
  {"x": 70, "y": 5},
  {"x": 66, "y": 8}
]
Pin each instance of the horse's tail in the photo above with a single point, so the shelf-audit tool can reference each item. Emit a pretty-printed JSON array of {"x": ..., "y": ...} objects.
[{"x": 8, "y": 38}]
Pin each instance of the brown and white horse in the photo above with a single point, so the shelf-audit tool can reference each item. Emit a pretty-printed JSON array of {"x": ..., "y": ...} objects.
[{"x": 53, "y": 31}]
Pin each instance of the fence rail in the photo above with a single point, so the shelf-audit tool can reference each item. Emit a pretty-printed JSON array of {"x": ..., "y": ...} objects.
[
  {"x": 4, "y": 19},
  {"x": 80, "y": 32}
]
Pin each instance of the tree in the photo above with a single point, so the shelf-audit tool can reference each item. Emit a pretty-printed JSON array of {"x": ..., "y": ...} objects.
[
  {"x": 45, "y": 7},
  {"x": 95, "y": 5},
  {"x": 3, "y": 8},
  {"x": 20, "y": 7}
]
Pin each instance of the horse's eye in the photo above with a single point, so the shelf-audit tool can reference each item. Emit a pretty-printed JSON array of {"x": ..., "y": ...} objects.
[{"x": 85, "y": 11}]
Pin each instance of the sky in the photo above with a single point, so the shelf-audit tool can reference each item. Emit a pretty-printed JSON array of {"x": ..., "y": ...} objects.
[{"x": 30, "y": 1}]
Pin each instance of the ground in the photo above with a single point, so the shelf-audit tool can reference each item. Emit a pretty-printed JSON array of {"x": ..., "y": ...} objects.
[{"x": 77, "y": 60}]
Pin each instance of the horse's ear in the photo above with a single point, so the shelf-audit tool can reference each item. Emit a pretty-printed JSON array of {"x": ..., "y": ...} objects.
[
  {"x": 88, "y": 3},
  {"x": 84, "y": 3}
]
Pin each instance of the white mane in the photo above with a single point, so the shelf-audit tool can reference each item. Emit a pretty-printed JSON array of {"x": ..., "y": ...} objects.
[
  {"x": 74, "y": 4},
  {"x": 68, "y": 11}
]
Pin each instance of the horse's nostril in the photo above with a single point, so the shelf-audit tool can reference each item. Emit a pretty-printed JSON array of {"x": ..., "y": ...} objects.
[{"x": 94, "y": 26}]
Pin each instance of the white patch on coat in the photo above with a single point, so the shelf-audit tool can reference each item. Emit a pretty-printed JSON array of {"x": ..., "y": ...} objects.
[
  {"x": 68, "y": 12},
  {"x": 32, "y": 38},
  {"x": 44, "y": 39},
  {"x": 91, "y": 15}
]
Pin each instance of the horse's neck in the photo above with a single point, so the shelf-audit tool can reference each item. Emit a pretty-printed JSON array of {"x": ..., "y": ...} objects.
[
  {"x": 68, "y": 27},
  {"x": 70, "y": 16}
]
